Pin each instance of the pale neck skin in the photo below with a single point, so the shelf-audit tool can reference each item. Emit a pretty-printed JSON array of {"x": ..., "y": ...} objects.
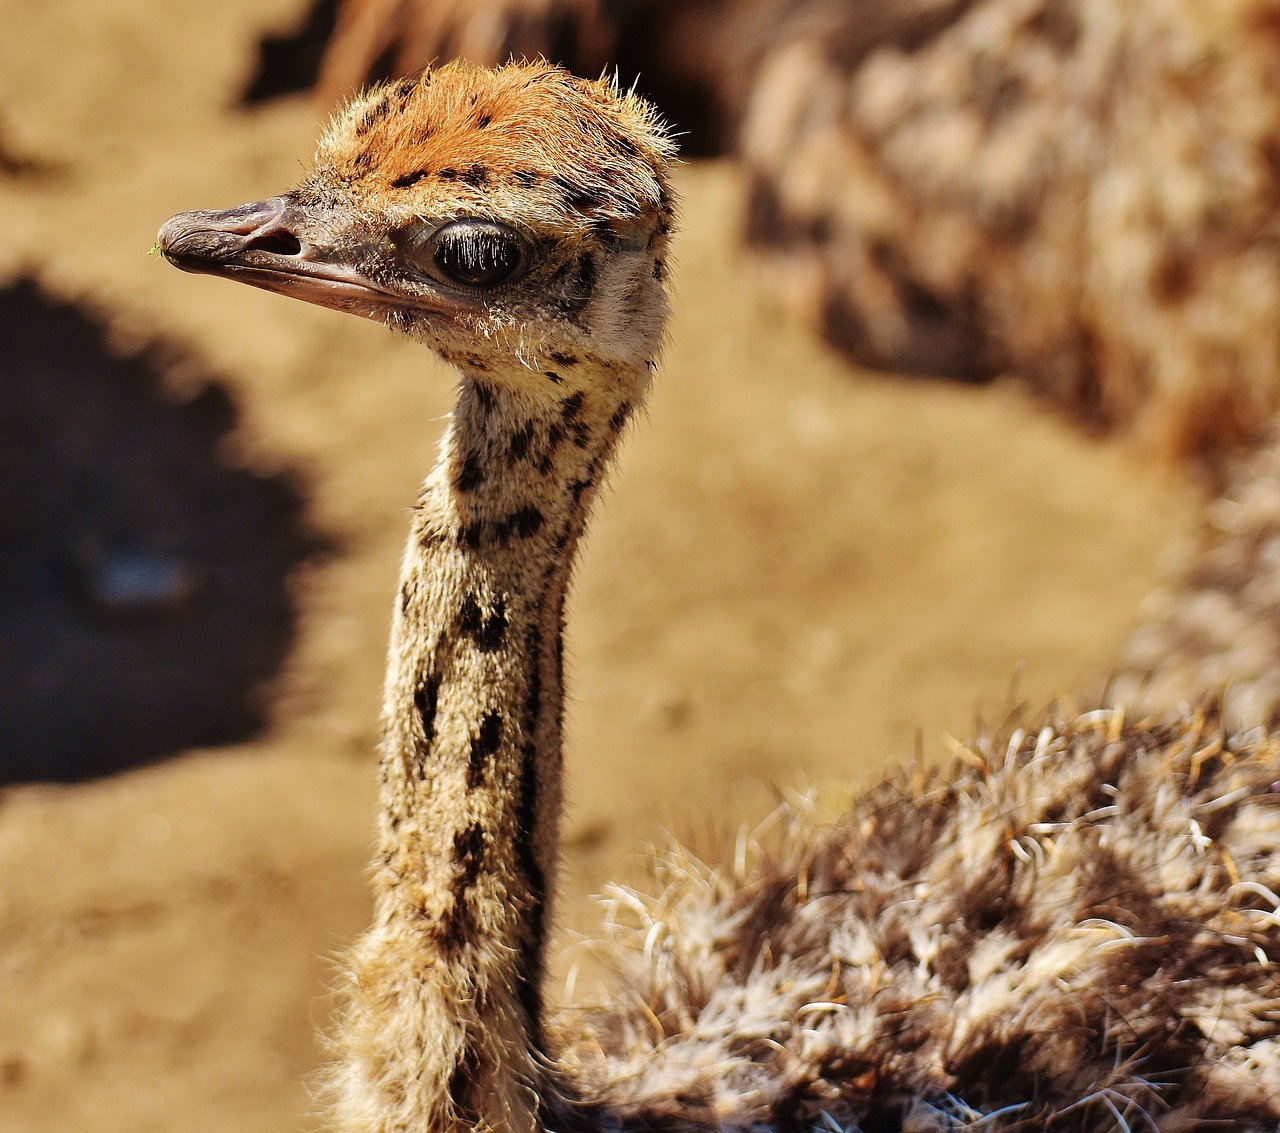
[{"x": 443, "y": 1028}]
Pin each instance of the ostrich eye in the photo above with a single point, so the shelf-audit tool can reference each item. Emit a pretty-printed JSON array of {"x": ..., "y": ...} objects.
[{"x": 476, "y": 254}]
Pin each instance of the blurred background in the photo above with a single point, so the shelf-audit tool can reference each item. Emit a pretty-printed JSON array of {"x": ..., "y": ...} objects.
[{"x": 970, "y": 300}]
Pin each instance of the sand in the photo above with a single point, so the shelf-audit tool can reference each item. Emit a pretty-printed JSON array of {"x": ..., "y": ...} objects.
[{"x": 801, "y": 572}]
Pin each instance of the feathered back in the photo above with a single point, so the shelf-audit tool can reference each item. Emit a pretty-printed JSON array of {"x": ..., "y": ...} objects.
[{"x": 1079, "y": 930}]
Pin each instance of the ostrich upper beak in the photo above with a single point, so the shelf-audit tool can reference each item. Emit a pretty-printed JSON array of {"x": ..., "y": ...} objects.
[{"x": 275, "y": 244}]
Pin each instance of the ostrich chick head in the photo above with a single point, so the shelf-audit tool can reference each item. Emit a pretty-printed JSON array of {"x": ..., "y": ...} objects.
[{"x": 506, "y": 218}]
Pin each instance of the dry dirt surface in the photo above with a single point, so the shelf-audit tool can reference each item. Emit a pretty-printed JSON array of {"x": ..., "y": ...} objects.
[{"x": 801, "y": 572}]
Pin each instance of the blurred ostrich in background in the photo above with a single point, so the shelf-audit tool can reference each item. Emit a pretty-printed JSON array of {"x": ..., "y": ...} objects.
[{"x": 1079, "y": 193}]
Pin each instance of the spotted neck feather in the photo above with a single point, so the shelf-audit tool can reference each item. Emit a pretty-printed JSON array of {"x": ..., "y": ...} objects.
[{"x": 443, "y": 1024}]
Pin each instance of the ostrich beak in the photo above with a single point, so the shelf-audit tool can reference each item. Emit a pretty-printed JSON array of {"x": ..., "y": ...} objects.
[{"x": 277, "y": 245}]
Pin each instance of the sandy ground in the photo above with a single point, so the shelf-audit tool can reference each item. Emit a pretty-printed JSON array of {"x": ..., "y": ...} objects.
[{"x": 801, "y": 571}]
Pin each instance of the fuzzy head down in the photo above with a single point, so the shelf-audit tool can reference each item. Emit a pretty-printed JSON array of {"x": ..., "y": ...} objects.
[{"x": 502, "y": 216}]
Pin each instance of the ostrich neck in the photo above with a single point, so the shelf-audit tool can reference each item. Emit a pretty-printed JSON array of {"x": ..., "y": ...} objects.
[{"x": 444, "y": 1026}]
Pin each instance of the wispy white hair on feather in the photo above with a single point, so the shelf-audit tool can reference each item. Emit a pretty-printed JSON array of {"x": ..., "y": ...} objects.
[{"x": 1077, "y": 927}]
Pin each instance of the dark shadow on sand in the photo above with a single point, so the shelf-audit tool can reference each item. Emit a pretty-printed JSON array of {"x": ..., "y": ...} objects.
[{"x": 144, "y": 579}]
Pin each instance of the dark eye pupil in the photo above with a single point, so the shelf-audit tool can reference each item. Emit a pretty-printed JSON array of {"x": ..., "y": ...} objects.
[{"x": 477, "y": 258}]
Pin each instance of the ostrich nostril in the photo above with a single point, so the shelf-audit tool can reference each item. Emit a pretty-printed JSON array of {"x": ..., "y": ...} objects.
[{"x": 279, "y": 242}]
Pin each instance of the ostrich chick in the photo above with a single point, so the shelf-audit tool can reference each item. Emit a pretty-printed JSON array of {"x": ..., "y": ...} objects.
[
  {"x": 1078, "y": 931},
  {"x": 516, "y": 222}
]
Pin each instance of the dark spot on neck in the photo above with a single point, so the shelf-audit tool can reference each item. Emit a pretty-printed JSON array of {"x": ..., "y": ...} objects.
[
  {"x": 484, "y": 745},
  {"x": 447, "y": 174},
  {"x": 571, "y": 406},
  {"x": 529, "y": 522},
  {"x": 487, "y": 631},
  {"x": 520, "y": 441},
  {"x": 468, "y": 854},
  {"x": 526, "y": 177},
  {"x": 485, "y": 396},
  {"x": 554, "y": 376},
  {"x": 471, "y": 475},
  {"x": 457, "y": 927},
  {"x": 475, "y": 174},
  {"x": 471, "y": 534},
  {"x": 483, "y": 120},
  {"x": 563, "y": 359},
  {"x": 424, "y": 701},
  {"x": 619, "y": 417},
  {"x": 524, "y": 522}
]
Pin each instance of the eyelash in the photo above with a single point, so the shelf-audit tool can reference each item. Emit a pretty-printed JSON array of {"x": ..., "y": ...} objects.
[{"x": 474, "y": 254}]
